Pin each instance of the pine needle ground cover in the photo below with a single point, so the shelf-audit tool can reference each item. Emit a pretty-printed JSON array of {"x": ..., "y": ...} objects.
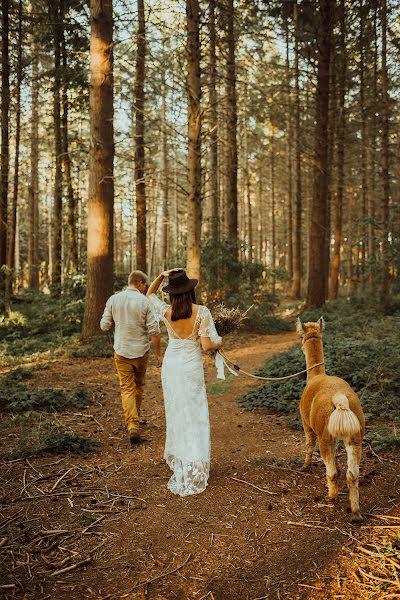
[{"x": 359, "y": 345}]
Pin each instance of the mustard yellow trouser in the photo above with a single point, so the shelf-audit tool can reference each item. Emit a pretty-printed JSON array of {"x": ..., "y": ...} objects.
[{"x": 131, "y": 373}]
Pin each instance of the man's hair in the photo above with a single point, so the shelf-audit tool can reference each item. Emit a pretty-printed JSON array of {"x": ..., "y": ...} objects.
[{"x": 137, "y": 277}]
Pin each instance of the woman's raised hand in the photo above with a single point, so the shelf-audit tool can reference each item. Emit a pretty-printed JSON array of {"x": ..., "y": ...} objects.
[{"x": 167, "y": 273}]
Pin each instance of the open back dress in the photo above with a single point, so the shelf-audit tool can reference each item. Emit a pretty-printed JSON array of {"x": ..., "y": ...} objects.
[{"x": 187, "y": 444}]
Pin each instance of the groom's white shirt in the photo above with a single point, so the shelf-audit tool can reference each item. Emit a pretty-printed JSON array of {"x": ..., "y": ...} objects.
[{"x": 134, "y": 322}]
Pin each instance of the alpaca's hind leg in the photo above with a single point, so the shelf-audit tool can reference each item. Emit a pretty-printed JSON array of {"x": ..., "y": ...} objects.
[
  {"x": 353, "y": 450},
  {"x": 311, "y": 439},
  {"x": 327, "y": 448}
]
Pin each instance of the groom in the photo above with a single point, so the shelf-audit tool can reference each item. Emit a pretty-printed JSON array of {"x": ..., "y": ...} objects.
[{"x": 130, "y": 312}]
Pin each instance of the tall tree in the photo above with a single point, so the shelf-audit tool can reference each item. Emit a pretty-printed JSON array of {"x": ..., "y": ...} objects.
[
  {"x": 56, "y": 18},
  {"x": 385, "y": 159},
  {"x": 364, "y": 143},
  {"x": 297, "y": 237},
  {"x": 231, "y": 120},
  {"x": 194, "y": 137},
  {"x": 13, "y": 215},
  {"x": 5, "y": 107},
  {"x": 341, "y": 135},
  {"x": 213, "y": 122},
  {"x": 317, "y": 265},
  {"x": 101, "y": 174},
  {"x": 141, "y": 210},
  {"x": 33, "y": 234},
  {"x": 165, "y": 168},
  {"x": 72, "y": 241},
  {"x": 289, "y": 152}
]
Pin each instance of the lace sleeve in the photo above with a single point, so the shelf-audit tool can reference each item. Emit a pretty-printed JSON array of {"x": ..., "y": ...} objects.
[
  {"x": 207, "y": 326},
  {"x": 158, "y": 306}
]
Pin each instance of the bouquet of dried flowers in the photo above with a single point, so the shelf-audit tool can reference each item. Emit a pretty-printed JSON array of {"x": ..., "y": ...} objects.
[{"x": 228, "y": 320}]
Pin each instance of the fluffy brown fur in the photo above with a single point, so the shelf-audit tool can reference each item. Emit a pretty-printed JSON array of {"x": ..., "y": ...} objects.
[{"x": 329, "y": 410}]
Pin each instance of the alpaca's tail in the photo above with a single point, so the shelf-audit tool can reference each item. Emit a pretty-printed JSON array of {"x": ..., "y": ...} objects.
[{"x": 342, "y": 422}]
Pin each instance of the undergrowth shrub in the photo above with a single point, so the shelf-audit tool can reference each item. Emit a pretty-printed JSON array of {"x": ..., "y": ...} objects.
[
  {"x": 51, "y": 440},
  {"x": 359, "y": 346},
  {"x": 100, "y": 346},
  {"x": 18, "y": 397},
  {"x": 227, "y": 279},
  {"x": 382, "y": 439}
]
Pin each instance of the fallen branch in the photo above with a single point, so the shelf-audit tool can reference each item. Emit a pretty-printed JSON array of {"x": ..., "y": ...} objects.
[
  {"x": 310, "y": 526},
  {"x": 160, "y": 576},
  {"x": 3, "y": 541},
  {"x": 71, "y": 567},
  {"x": 370, "y": 576},
  {"x": 255, "y": 486},
  {"x": 59, "y": 480}
]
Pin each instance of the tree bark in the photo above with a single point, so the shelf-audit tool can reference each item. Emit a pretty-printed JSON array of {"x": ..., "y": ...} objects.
[
  {"x": 213, "y": 121},
  {"x": 231, "y": 120},
  {"x": 273, "y": 216},
  {"x": 72, "y": 242},
  {"x": 55, "y": 20},
  {"x": 316, "y": 288},
  {"x": 289, "y": 243},
  {"x": 385, "y": 287},
  {"x": 5, "y": 150},
  {"x": 194, "y": 138},
  {"x": 364, "y": 143},
  {"x": 33, "y": 237},
  {"x": 297, "y": 241},
  {"x": 141, "y": 209},
  {"x": 165, "y": 183},
  {"x": 101, "y": 176},
  {"x": 341, "y": 133},
  {"x": 13, "y": 215}
]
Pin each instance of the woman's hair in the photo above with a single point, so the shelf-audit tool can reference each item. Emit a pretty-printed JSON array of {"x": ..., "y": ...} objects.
[{"x": 182, "y": 305}]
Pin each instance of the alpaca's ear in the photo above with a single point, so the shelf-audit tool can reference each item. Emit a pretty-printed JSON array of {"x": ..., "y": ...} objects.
[
  {"x": 300, "y": 328},
  {"x": 321, "y": 323}
]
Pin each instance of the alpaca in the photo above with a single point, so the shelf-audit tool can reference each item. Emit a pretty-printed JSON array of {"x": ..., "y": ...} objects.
[{"x": 329, "y": 410}]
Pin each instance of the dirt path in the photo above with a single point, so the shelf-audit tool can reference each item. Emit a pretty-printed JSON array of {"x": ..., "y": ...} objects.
[{"x": 233, "y": 542}]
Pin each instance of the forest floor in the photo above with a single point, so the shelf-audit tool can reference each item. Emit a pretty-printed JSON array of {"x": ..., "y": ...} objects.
[{"x": 262, "y": 529}]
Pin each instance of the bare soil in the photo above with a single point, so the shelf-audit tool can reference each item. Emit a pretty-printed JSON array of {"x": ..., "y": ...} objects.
[{"x": 260, "y": 530}]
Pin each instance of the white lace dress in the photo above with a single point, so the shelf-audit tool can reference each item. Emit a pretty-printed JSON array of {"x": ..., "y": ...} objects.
[{"x": 187, "y": 444}]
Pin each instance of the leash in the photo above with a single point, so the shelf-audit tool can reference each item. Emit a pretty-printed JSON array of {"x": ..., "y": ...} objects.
[{"x": 239, "y": 370}]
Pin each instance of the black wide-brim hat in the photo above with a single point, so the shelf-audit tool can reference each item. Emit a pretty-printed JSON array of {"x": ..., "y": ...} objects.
[{"x": 179, "y": 283}]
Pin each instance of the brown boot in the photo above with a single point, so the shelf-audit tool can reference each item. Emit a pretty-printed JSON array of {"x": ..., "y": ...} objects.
[{"x": 134, "y": 437}]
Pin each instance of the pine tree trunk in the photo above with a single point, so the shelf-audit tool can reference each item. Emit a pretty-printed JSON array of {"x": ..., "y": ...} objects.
[
  {"x": 194, "y": 138},
  {"x": 364, "y": 143},
  {"x": 273, "y": 220},
  {"x": 341, "y": 133},
  {"x": 141, "y": 209},
  {"x": 372, "y": 246},
  {"x": 297, "y": 241},
  {"x": 13, "y": 215},
  {"x": 165, "y": 183},
  {"x": 4, "y": 168},
  {"x": 385, "y": 288},
  {"x": 72, "y": 242},
  {"x": 316, "y": 289},
  {"x": 213, "y": 121},
  {"x": 101, "y": 177},
  {"x": 33, "y": 237},
  {"x": 55, "y": 20},
  {"x": 289, "y": 244},
  {"x": 231, "y": 120}
]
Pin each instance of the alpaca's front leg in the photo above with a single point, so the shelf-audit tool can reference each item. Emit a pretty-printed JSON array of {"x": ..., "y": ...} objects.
[
  {"x": 311, "y": 439},
  {"x": 327, "y": 448},
  {"x": 353, "y": 451}
]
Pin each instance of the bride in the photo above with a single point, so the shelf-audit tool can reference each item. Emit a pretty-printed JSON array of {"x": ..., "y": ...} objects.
[{"x": 189, "y": 326}]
